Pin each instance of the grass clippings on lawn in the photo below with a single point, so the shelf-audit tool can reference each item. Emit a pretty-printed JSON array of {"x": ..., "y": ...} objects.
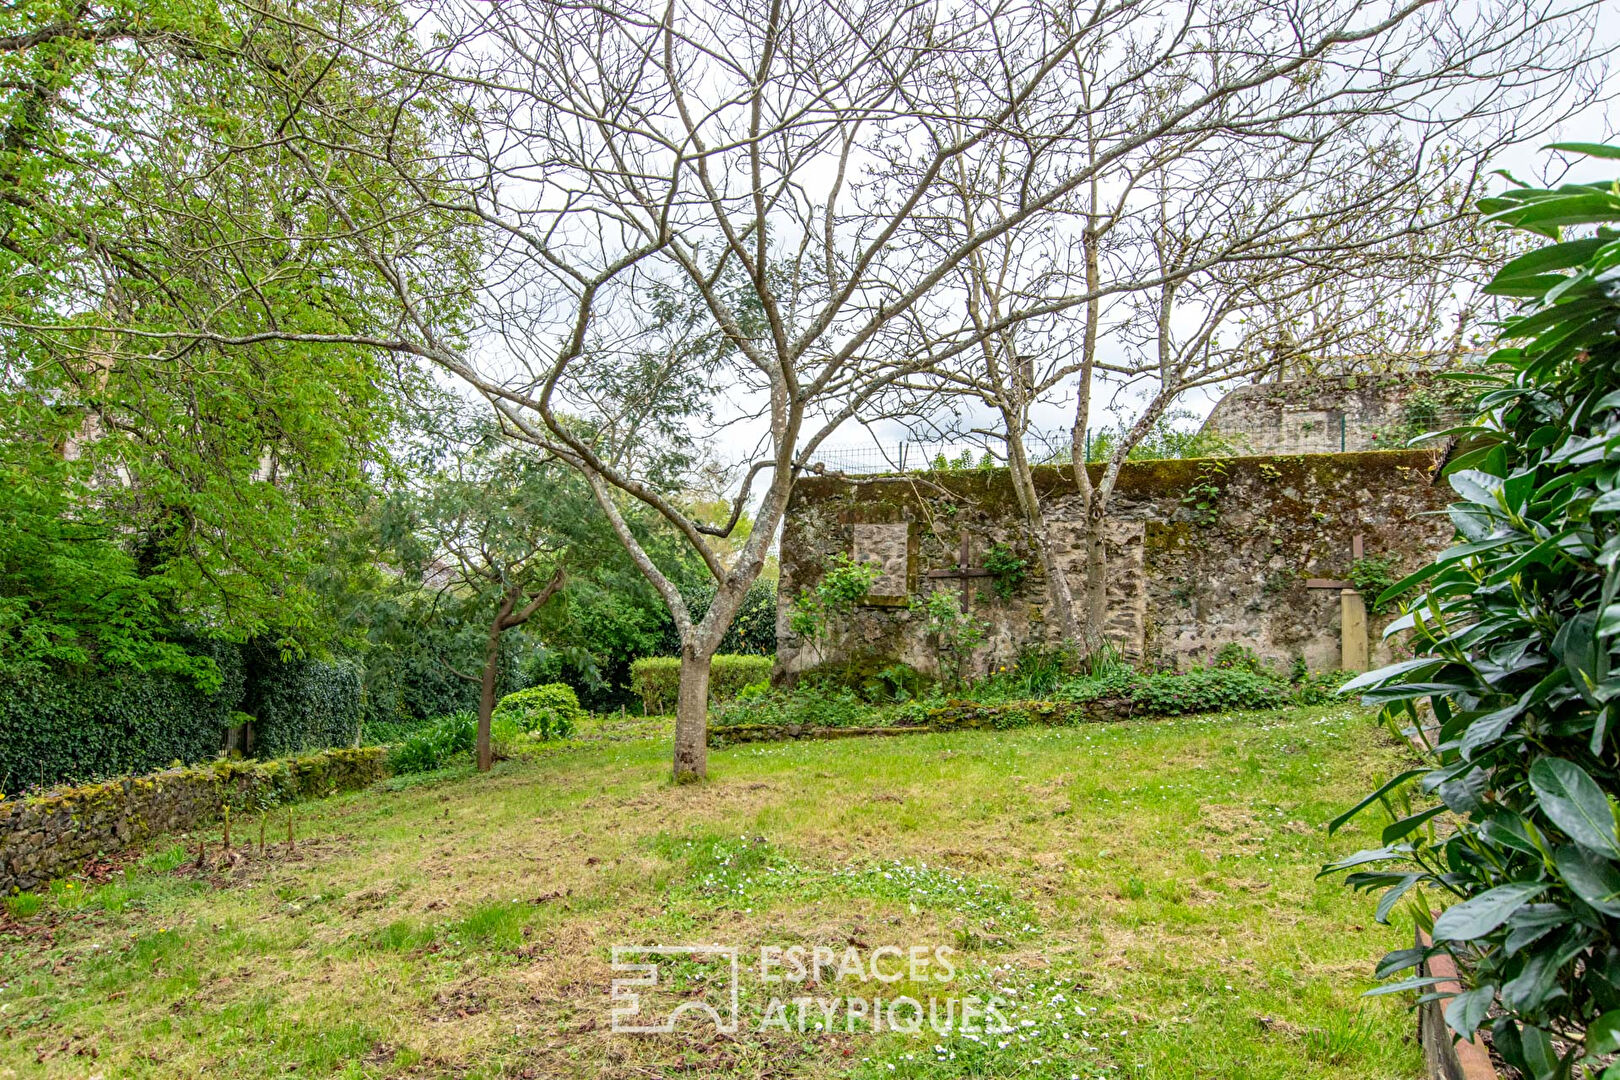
[{"x": 1141, "y": 897}]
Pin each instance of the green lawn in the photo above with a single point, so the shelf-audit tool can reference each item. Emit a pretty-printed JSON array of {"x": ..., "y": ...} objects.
[{"x": 1140, "y": 895}]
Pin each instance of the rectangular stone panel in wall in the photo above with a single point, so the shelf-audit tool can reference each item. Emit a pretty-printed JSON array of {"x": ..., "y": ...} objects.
[{"x": 889, "y": 544}]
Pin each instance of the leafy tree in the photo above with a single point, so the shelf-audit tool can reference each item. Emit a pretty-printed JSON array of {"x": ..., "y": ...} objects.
[
  {"x": 142, "y": 186},
  {"x": 489, "y": 530},
  {"x": 1515, "y": 637},
  {"x": 70, "y": 593}
]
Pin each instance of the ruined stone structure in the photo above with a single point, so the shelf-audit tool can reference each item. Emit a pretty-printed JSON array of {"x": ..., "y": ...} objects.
[
  {"x": 1330, "y": 416},
  {"x": 1200, "y": 553}
]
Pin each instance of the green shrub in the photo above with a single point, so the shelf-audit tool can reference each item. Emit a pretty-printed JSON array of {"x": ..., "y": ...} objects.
[
  {"x": 434, "y": 747},
  {"x": 1236, "y": 655},
  {"x": 1320, "y": 688},
  {"x": 658, "y": 679},
  {"x": 386, "y": 733},
  {"x": 1236, "y": 680},
  {"x": 550, "y": 711},
  {"x": 1514, "y": 639},
  {"x": 1115, "y": 684},
  {"x": 1210, "y": 689},
  {"x": 873, "y": 678}
]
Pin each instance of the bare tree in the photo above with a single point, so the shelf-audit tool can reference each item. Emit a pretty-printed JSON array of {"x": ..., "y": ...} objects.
[
  {"x": 1322, "y": 221},
  {"x": 789, "y": 167}
]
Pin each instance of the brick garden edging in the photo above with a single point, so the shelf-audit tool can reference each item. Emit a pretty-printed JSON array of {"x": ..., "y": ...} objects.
[
  {"x": 45, "y": 836},
  {"x": 1447, "y": 1058}
]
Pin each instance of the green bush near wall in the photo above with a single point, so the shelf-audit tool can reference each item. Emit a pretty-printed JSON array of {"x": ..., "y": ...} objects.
[
  {"x": 550, "y": 710},
  {"x": 658, "y": 679},
  {"x": 303, "y": 705},
  {"x": 57, "y": 726}
]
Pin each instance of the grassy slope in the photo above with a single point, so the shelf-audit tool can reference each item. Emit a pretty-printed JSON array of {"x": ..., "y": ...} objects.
[{"x": 1145, "y": 890}]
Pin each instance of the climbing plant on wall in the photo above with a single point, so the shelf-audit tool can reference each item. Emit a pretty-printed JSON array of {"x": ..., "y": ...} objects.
[{"x": 1007, "y": 570}]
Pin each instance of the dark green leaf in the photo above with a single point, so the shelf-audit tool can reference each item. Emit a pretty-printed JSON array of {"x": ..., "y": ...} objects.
[
  {"x": 1465, "y": 1012},
  {"x": 1384, "y": 789},
  {"x": 1479, "y": 915},
  {"x": 1590, "y": 877},
  {"x": 1575, "y": 804},
  {"x": 1603, "y": 1034},
  {"x": 1399, "y": 830}
]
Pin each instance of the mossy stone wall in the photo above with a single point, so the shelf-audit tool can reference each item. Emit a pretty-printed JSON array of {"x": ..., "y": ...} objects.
[
  {"x": 1201, "y": 552},
  {"x": 45, "y": 836}
]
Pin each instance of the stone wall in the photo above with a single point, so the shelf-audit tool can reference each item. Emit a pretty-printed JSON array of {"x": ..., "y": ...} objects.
[
  {"x": 1327, "y": 416},
  {"x": 45, "y": 836},
  {"x": 1182, "y": 581}
]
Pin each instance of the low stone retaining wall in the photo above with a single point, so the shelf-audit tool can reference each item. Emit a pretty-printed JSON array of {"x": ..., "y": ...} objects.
[
  {"x": 956, "y": 716},
  {"x": 45, "y": 836}
]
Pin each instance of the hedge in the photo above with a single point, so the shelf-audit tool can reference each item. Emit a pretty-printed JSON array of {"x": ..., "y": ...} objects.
[
  {"x": 302, "y": 705},
  {"x": 66, "y": 726},
  {"x": 69, "y": 726},
  {"x": 550, "y": 710},
  {"x": 410, "y": 683},
  {"x": 658, "y": 678}
]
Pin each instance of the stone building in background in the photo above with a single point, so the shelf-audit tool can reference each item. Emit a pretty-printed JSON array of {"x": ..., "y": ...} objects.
[{"x": 1338, "y": 415}]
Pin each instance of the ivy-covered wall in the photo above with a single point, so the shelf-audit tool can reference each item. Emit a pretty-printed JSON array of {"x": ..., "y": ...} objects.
[
  {"x": 1201, "y": 553},
  {"x": 71, "y": 726},
  {"x": 45, "y": 836}
]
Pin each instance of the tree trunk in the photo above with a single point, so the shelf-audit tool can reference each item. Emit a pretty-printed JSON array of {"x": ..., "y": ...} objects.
[
  {"x": 1057, "y": 586},
  {"x": 507, "y": 617},
  {"x": 1096, "y": 500},
  {"x": 486, "y": 692},
  {"x": 1023, "y": 482},
  {"x": 1096, "y": 620},
  {"x": 692, "y": 717},
  {"x": 1091, "y": 508}
]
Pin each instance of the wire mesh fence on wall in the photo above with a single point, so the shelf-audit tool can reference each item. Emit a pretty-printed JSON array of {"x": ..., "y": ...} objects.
[{"x": 1043, "y": 448}]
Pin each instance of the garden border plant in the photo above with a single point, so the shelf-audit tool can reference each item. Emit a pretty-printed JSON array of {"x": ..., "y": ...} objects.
[
  {"x": 1514, "y": 637},
  {"x": 1038, "y": 690}
]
